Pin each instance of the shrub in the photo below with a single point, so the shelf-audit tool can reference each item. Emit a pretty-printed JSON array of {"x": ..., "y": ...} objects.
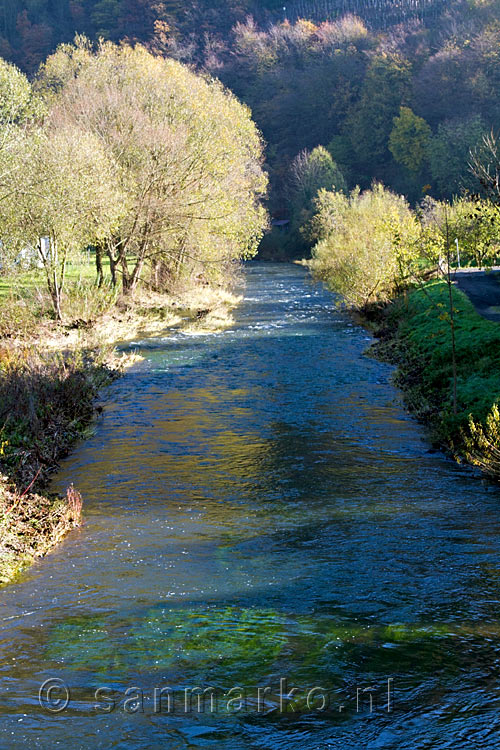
[{"x": 365, "y": 243}]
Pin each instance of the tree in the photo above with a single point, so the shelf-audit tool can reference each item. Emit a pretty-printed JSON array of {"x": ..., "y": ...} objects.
[
  {"x": 449, "y": 154},
  {"x": 485, "y": 166},
  {"x": 441, "y": 90},
  {"x": 310, "y": 172},
  {"x": 17, "y": 109},
  {"x": 409, "y": 140},
  {"x": 370, "y": 123},
  {"x": 36, "y": 41},
  {"x": 476, "y": 225},
  {"x": 15, "y": 95},
  {"x": 55, "y": 209},
  {"x": 365, "y": 243},
  {"x": 104, "y": 17},
  {"x": 187, "y": 153},
  {"x": 437, "y": 243}
]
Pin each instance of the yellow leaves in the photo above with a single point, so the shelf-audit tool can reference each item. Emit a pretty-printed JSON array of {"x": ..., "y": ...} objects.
[
  {"x": 409, "y": 139},
  {"x": 187, "y": 157},
  {"x": 308, "y": 28},
  {"x": 482, "y": 442},
  {"x": 364, "y": 240},
  {"x": 15, "y": 94}
]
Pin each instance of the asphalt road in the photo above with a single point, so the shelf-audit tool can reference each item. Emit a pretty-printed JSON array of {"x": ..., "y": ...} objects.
[{"x": 483, "y": 290}]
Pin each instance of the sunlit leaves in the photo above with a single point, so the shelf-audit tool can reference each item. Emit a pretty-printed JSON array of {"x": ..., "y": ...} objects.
[
  {"x": 366, "y": 243},
  {"x": 409, "y": 140},
  {"x": 187, "y": 153}
]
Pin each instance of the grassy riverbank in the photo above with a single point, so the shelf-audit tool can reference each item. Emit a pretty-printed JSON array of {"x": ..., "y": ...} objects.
[
  {"x": 415, "y": 333},
  {"x": 50, "y": 376}
]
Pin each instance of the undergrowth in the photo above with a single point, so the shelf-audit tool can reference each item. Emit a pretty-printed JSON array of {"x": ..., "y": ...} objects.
[
  {"x": 46, "y": 401},
  {"x": 415, "y": 334},
  {"x": 30, "y": 525}
]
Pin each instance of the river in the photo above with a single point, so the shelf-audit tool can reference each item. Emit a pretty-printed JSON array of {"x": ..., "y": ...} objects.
[{"x": 260, "y": 512}]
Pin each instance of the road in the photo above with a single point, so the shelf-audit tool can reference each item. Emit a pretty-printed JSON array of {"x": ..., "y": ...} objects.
[{"x": 483, "y": 290}]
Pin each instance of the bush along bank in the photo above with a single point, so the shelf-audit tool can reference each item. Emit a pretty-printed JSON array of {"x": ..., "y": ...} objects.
[
  {"x": 47, "y": 401},
  {"x": 448, "y": 368}
]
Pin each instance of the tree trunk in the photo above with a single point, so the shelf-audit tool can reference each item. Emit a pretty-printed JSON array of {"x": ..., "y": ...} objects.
[
  {"x": 98, "y": 265},
  {"x": 136, "y": 275},
  {"x": 449, "y": 282},
  {"x": 112, "y": 263},
  {"x": 57, "y": 299},
  {"x": 54, "y": 291},
  {"x": 126, "y": 280},
  {"x": 52, "y": 284}
]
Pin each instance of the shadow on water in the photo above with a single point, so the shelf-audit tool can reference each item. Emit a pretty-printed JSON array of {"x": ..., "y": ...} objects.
[{"x": 260, "y": 507}]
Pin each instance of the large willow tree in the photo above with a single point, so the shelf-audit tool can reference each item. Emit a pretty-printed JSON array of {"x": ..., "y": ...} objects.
[{"x": 187, "y": 154}]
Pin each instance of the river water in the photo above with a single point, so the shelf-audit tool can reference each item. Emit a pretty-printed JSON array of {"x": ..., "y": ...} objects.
[{"x": 260, "y": 512}]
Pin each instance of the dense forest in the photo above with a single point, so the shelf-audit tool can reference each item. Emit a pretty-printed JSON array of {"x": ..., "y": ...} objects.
[
  {"x": 30, "y": 29},
  {"x": 398, "y": 91}
]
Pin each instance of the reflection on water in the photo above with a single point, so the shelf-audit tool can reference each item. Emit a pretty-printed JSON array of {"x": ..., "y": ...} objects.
[{"x": 259, "y": 507}]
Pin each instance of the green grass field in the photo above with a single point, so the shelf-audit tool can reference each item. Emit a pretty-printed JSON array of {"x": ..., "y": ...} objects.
[{"x": 82, "y": 269}]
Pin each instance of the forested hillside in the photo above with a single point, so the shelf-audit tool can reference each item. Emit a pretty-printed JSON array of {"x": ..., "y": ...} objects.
[
  {"x": 404, "y": 105},
  {"x": 395, "y": 90},
  {"x": 30, "y": 29}
]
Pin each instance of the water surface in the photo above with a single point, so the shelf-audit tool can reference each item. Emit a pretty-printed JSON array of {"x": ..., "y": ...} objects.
[{"x": 259, "y": 507}]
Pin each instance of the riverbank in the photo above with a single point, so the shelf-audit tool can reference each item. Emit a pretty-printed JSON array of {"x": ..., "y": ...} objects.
[
  {"x": 50, "y": 377},
  {"x": 414, "y": 333}
]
